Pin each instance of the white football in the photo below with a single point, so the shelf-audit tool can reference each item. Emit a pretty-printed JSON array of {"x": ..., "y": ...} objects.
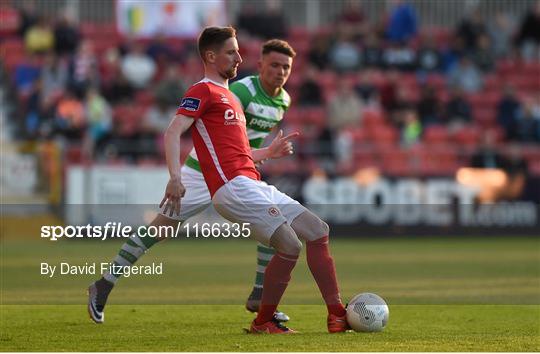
[{"x": 367, "y": 312}]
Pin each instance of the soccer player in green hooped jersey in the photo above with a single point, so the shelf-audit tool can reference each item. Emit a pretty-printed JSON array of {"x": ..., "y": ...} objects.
[{"x": 264, "y": 102}]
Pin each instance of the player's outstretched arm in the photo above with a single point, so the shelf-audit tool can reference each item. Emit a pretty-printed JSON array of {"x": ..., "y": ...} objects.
[
  {"x": 175, "y": 190},
  {"x": 279, "y": 147}
]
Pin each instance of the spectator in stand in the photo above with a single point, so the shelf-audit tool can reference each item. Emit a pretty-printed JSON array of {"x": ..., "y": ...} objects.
[
  {"x": 400, "y": 107},
  {"x": 344, "y": 55},
  {"x": 109, "y": 65},
  {"x": 29, "y": 16},
  {"x": 411, "y": 130},
  {"x": 517, "y": 170},
  {"x": 99, "y": 117},
  {"x": 366, "y": 90},
  {"x": 159, "y": 50},
  {"x": 429, "y": 58},
  {"x": 501, "y": 31},
  {"x": 466, "y": 76},
  {"x": 11, "y": 19},
  {"x": 39, "y": 38},
  {"x": 352, "y": 19},
  {"x": 458, "y": 110},
  {"x": 429, "y": 107},
  {"x": 372, "y": 53},
  {"x": 54, "y": 77},
  {"x": 528, "y": 122},
  {"x": 399, "y": 56},
  {"x": 273, "y": 23},
  {"x": 137, "y": 67},
  {"x": 83, "y": 69},
  {"x": 403, "y": 22},
  {"x": 487, "y": 155},
  {"x": 33, "y": 115},
  {"x": 118, "y": 90},
  {"x": 309, "y": 92},
  {"x": 157, "y": 118},
  {"x": 155, "y": 122},
  {"x": 508, "y": 110},
  {"x": 266, "y": 24},
  {"x": 319, "y": 53},
  {"x": 26, "y": 73},
  {"x": 70, "y": 119},
  {"x": 528, "y": 37},
  {"x": 345, "y": 108},
  {"x": 170, "y": 88},
  {"x": 66, "y": 35},
  {"x": 388, "y": 90},
  {"x": 471, "y": 28},
  {"x": 452, "y": 53},
  {"x": 483, "y": 55},
  {"x": 247, "y": 20}
]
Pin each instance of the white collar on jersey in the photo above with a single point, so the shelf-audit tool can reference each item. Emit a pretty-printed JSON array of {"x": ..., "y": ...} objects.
[{"x": 205, "y": 79}]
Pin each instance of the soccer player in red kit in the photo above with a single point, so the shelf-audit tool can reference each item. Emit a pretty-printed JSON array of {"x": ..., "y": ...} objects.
[{"x": 227, "y": 163}]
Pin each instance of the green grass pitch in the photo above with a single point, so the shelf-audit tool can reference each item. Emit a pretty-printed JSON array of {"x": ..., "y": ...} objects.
[{"x": 463, "y": 294}]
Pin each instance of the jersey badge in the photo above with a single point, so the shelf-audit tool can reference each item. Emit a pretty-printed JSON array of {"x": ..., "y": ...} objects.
[{"x": 190, "y": 104}]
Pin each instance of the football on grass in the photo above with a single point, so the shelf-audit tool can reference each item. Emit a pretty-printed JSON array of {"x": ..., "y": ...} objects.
[{"x": 367, "y": 312}]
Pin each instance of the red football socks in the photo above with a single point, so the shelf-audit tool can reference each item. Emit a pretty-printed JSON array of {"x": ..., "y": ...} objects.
[
  {"x": 276, "y": 279},
  {"x": 322, "y": 267}
]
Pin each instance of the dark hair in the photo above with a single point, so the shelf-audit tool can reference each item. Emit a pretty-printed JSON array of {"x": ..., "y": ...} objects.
[
  {"x": 278, "y": 45},
  {"x": 213, "y": 38}
]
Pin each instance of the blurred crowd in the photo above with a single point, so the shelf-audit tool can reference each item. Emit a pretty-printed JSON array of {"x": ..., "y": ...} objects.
[{"x": 108, "y": 97}]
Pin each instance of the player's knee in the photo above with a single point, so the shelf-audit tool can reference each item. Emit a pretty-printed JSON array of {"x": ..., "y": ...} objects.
[
  {"x": 318, "y": 229},
  {"x": 324, "y": 228},
  {"x": 285, "y": 241},
  {"x": 295, "y": 247}
]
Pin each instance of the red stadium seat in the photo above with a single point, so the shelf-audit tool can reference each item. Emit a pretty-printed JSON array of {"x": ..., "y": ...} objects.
[
  {"x": 485, "y": 117},
  {"x": 384, "y": 135},
  {"x": 300, "y": 34},
  {"x": 127, "y": 118},
  {"x": 468, "y": 137},
  {"x": 144, "y": 98},
  {"x": 506, "y": 66},
  {"x": 436, "y": 134},
  {"x": 371, "y": 119},
  {"x": 316, "y": 116},
  {"x": 365, "y": 159},
  {"x": 395, "y": 162},
  {"x": 437, "y": 81},
  {"x": 534, "y": 168}
]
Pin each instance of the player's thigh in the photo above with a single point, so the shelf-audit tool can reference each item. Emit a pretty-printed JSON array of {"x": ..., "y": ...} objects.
[
  {"x": 290, "y": 208},
  {"x": 309, "y": 227},
  {"x": 196, "y": 199},
  {"x": 243, "y": 200}
]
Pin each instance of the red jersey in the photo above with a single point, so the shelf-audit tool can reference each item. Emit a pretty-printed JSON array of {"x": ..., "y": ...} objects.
[{"x": 220, "y": 136}]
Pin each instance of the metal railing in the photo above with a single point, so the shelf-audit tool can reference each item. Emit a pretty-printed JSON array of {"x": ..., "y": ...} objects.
[{"x": 310, "y": 13}]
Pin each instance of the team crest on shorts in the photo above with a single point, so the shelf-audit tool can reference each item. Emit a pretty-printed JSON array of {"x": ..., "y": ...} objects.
[{"x": 273, "y": 211}]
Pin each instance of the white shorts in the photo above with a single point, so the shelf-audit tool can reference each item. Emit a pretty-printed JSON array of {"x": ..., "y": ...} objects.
[
  {"x": 197, "y": 197},
  {"x": 264, "y": 207}
]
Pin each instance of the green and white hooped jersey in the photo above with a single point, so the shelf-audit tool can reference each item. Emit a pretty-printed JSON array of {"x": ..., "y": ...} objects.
[{"x": 262, "y": 112}]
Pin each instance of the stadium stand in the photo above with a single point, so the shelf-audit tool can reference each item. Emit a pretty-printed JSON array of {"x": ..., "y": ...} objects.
[{"x": 378, "y": 135}]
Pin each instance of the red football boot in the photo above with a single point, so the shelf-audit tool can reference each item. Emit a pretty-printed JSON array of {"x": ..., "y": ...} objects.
[
  {"x": 337, "y": 324},
  {"x": 270, "y": 327}
]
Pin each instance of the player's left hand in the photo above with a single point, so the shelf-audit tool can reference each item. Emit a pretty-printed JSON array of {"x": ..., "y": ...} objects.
[
  {"x": 173, "y": 193},
  {"x": 281, "y": 145}
]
